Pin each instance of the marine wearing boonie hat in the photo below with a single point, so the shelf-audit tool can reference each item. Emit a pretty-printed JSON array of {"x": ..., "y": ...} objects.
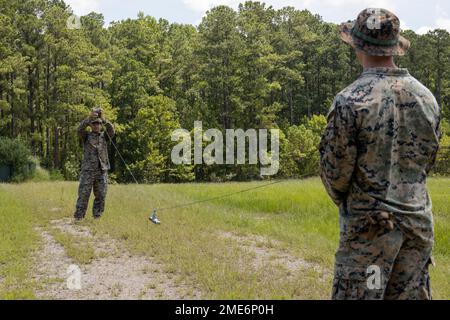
[
  {"x": 379, "y": 145},
  {"x": 376, "y": 32},
  {"x": 95, "y": 164}
]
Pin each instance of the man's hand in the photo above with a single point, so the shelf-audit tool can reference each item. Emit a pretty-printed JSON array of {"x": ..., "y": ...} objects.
[
  {"x": 93, "y": 114},
  {"x": 97, "y": 113}
]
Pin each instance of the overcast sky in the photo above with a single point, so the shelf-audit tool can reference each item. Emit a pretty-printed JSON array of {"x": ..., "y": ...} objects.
[{"x": 418, "y": 15}]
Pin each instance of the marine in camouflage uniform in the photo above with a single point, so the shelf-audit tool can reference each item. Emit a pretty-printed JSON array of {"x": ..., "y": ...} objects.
[
  {"x": 94, "y": 168},
  {"x": 379, "y": 145}
]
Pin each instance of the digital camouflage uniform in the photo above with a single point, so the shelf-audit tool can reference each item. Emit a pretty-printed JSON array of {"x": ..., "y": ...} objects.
[
  {"x": 379, "y": 145},
  {"x": 94, "y": 168}
]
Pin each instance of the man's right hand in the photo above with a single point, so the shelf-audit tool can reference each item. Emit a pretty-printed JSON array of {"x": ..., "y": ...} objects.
[{"x": 94, "y": 114}]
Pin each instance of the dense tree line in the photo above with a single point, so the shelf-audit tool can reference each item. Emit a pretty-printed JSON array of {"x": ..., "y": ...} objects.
[{"x": 255, "y": 67}]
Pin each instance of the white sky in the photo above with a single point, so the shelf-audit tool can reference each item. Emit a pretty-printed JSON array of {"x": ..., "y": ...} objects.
[{"x": 418, "y": 15}]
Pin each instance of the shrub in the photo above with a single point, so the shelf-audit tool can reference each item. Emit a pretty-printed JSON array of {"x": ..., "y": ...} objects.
[
  {"x": 442, "y": 166},
  {"x": 40, "y": 174},
  {"x": 56, "y": 175},
  {"x": 71, "y": 169},
  {"x": 15, "y": 154},
  {"x": 299, "y": 150}
]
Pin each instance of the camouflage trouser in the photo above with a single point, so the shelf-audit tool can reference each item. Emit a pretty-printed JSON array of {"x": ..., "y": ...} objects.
[
  {"x": 369, "y": 243},
  {"x": 92, "y": 180}
]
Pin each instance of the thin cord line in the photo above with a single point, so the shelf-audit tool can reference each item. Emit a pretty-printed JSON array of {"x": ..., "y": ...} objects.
[
  {"x": 120, "y": 155},
  {"x": 228, "y": 194},
  {"x": 204, "y": 200},
  {"x": 218, "y": 197}
]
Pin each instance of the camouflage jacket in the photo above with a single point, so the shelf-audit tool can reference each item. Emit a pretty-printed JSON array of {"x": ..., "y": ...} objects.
[
  {"x": 95, "y": 146},
  {"x": 380, "y": 143}
]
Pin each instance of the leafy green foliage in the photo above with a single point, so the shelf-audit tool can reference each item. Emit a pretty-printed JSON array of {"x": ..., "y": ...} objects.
[
  {"x": 149, "y": 136},
  {"x": 300, "y": 155},
  {"x": 71, "y": 169},
  {"x": 442, "y": 165},
  {"x": 15, "y": 154},
  {"x": 254, "y": 67}
]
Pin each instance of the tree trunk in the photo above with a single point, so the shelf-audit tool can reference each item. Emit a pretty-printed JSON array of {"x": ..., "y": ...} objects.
[
  {"x": 440, "y": 65},
  {"x": 47, "y": 108},
  {"x": 291, "y": 106},
  {"x": 11, "y": 103},
  {"x": 31, "y": 108},
  {"x": 56, "y": 158}
]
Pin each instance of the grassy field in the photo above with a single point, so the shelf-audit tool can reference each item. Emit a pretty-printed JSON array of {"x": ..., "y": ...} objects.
[
  {"x": 18, "y": 240},
  {"x": 296, "y": 217}
]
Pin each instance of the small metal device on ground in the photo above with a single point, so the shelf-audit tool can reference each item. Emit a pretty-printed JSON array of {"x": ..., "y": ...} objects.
[{"x": 153, "y": 216}]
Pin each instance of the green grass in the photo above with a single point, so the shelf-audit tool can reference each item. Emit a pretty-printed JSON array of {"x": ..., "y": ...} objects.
[
  {"x": 79, "y": 249},
  {"x": 17, "y": 242},
  {"x": 298, "y": 214}
]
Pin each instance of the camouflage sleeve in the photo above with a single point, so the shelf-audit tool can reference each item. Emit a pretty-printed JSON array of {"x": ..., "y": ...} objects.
[
  {"x": 338, "y": 150},
  {"x": 435, "y": 151},
  {"x": 82, "y": 128},
  {"x": 109, "y": 129}
]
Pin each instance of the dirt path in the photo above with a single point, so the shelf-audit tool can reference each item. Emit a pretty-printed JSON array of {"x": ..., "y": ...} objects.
[
  {"x": 268, "y": 252},
  {"x": 113, "y": 274}
]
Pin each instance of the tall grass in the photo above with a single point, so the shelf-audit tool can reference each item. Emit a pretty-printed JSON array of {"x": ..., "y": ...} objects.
[
  {"x": 17, "y": 242},
  {"x": 296, "y": 213}
]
